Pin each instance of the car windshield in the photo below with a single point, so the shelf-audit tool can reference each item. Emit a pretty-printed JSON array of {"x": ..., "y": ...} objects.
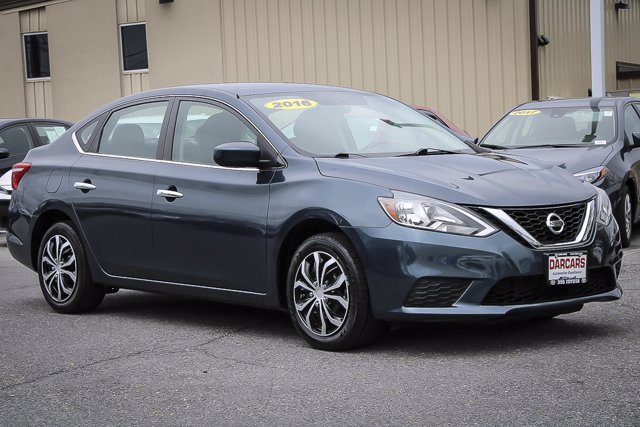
[
  {"x": 553, "y": 126},
  {"x": 350, "y": 123}
]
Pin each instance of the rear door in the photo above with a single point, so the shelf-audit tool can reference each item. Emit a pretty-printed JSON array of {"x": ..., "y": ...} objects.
[
  {"x": 111, "y": 187},
  {"x": 214, "y": 232}
]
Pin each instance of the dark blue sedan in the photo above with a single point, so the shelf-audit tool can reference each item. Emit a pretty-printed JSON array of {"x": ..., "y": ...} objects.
[
  {"x": 346, "y": 208},
  {"x": 596, "y": 139}
]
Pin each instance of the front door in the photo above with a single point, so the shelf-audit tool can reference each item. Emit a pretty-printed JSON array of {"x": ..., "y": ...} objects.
[{"x": 209, "y": 222}]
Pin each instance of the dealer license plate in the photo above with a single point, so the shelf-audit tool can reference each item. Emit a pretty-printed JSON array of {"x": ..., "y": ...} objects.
[{"x": 567, "y": 268}]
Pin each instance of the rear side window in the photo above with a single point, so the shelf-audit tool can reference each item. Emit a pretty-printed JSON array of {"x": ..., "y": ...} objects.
[
  {"x": 134, "y": 131},
  {"x": 48, "y": 132},
  {"x": 16, "y": 140}
]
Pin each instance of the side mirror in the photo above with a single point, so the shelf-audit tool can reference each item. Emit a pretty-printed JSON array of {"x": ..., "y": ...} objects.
[
  {"x": 237, "y": 155},
  {"x": 476, "y": 140},
  {"x": 4, "y": 153},
  {"x": 636, "y": 139}
]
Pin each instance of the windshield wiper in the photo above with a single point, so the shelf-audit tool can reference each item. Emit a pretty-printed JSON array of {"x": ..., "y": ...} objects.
[
  {"x": 346, "y": 155},
  {"x": 493, "y": 146},
  {"x": 405, "y": 125},
  {"x": 545, "y": 145},
  {"x": 426, "y": 151}
]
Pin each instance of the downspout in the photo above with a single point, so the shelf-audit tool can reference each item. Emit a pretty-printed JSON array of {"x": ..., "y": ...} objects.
[{"x": 533, "y": 46}]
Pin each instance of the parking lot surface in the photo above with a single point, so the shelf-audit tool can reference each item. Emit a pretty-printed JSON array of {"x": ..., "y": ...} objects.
[{"x": 153, "y": 359}]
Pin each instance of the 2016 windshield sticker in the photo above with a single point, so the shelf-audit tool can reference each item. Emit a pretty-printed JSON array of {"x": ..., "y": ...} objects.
[
  {"x": 524, "y": 113},
  {"x": 290, "y": 104}
]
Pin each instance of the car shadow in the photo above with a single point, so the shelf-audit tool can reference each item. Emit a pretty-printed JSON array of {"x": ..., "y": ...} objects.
[{"x": 413, "y": 338}]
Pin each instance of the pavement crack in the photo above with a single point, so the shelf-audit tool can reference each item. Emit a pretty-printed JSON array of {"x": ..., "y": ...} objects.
[{"x": 75, "y": 368}]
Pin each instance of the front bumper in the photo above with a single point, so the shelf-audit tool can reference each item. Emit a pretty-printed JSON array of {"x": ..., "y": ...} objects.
[{"x": 457, "y": 277}]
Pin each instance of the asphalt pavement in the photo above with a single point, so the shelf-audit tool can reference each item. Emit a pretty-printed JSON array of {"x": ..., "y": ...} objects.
[{"x": 146, "y": 359}]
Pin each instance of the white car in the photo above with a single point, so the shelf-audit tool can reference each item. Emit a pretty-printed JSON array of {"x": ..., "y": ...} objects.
[{"x": 5, "y": 197}]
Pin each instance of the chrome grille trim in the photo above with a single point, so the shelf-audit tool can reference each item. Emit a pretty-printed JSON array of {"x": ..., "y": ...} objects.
[{"x": 585, "y": 234}]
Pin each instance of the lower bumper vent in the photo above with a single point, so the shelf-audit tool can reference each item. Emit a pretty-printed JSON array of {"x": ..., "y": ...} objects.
[{"x": 440, "y": 292}]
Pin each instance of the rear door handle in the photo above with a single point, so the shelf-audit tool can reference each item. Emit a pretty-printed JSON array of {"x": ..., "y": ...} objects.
[
  {"x": 84, "y": 186},
  {"x": 169, "y": 194}
]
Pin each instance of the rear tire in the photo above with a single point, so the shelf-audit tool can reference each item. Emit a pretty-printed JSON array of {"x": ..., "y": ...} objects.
[
  {"x": 328, "y": 296},
  {"x": 63, "y": 272},
  {"x": 624, "y": 216}
]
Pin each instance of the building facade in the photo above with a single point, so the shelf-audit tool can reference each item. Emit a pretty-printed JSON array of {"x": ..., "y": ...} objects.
[{"x": 470, "y": 59}]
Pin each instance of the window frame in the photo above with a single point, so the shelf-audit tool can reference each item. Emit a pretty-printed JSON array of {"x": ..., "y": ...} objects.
[
  {"x": 24, "y": 57},
  {"x": 121, "y": 47},
  {"x": 634, "y": 107}
]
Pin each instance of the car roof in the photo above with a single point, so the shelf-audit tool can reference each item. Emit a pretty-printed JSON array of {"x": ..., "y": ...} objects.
[
  {"x": 245, "y": 89},
  {"x": 608, "y": 101},
  {"x": 34, "y": 120}
]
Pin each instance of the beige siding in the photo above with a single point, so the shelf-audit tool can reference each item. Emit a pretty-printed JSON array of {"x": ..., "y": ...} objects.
[
  {"x": 84, "y": 61},
  {"x": 467, "y": 58},
  {"x": 565, "y": 64},
  {"x": 185, "y": 42},
  {"x": 12, "y": 99}
]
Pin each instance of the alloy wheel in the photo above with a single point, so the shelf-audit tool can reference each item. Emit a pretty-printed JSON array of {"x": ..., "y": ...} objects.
[
  {"x": 59, "y": 268},
  {"x": 321, "y": 294}
]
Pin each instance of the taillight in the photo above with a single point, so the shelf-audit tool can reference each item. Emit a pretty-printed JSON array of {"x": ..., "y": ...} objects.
[{"x": 17, "y": 172}]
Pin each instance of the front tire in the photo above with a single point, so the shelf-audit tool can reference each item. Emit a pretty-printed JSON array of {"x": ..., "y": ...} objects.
[
  {"x": 624, "y": 216},
  {"x": 63, "y": 272},
  {"x": 328, "y": 296}
]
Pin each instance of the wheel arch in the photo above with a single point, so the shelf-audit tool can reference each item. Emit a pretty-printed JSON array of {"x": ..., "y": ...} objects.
[{"x": 45, "y": 220}]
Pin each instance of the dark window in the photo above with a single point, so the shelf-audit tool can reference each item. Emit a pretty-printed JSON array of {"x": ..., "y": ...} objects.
[
  {"x": 134, "y": 47},
  {"x": 201, "y": 127},
  {"x": 36, "y": 55},
  {"x": 16, "y": 140},
  {"x": 631, "y": 123},
  {"x": 134, "y": 131}
]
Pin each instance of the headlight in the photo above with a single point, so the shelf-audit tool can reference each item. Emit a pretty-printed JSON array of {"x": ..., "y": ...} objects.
[
  {"x": 422, "y": 212},
  {"x": 604, "y": 207},
  {"x": 592, "y": 175}
]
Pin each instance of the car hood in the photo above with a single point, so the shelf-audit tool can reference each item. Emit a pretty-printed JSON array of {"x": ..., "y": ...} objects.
[
  {"x": 486, "y": 179},
  {"x": 573, "y": 159}
]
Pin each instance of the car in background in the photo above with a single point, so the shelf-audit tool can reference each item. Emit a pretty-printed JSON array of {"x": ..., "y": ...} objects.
[
  {"x": 17, "y": 137},
  {"x": 346, "y": 208},
  {"x": 596, "y": 139},
  {"x": 444, "y": 121}
]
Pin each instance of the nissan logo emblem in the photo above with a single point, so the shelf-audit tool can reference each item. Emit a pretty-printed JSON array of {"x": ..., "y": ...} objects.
[{"x": 555, "y": 223}]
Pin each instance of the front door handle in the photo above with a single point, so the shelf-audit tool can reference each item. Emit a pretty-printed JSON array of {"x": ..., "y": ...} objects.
[
  {"x": 84, "y": 186},
  {"x": 169, "y": 194}
]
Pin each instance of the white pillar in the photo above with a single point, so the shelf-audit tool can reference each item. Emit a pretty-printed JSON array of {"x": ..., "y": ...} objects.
[{"x": 597, "y": 47}]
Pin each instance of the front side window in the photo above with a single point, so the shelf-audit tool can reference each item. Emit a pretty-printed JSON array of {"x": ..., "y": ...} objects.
[
  {"x": 16, "y": 140},
  {"x": 36, "y": 55},
  {"x": 362, "y": 124},
  {"x": 554, "y": 126},
  {"x": 134, "y": 47},
  {"x": 201, "y": 127},
  {"x": 631, "y": 123},
  {"x": 134, "y": 131},
  {"x": 49, "y": 132}
]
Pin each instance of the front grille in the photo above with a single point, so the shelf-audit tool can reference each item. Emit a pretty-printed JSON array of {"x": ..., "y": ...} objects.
[
  {"x": 534, "y": 221},
  {"x": 440, "y": 292},
  {"x": 534, "y": 289}
]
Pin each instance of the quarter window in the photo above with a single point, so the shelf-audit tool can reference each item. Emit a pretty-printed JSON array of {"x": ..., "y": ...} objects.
[
  {"x": 36, "y": 55},
  {"x": 16, "y": 140},
  {"x": 134, "y": 131},
  {"x": 84, "y": 135},
  {"x": 134, "y": 47},
  {"x": 200, "y": 128}
]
